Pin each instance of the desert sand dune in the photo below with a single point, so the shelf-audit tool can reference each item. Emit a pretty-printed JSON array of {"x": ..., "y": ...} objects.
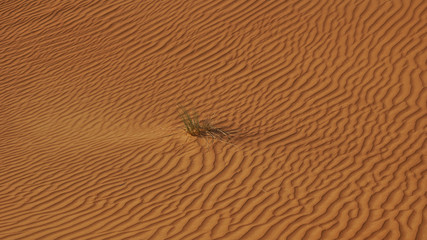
[{"x": 328, "y": 100}]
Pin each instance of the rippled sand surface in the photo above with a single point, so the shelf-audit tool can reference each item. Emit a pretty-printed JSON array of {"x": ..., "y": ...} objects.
[{"x": 328, "y": 99}]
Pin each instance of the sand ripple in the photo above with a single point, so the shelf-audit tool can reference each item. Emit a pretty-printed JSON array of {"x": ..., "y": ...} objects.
[{"x": 329, "y": 99}]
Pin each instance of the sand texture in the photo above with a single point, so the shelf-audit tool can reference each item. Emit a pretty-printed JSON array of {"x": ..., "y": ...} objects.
[{"x": 326, "y": 101}]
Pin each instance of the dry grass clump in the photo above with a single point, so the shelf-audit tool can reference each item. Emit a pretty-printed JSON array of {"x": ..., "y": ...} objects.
[{"x": 203, "y": 128}]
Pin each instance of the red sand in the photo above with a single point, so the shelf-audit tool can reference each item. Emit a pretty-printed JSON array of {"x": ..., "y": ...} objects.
[{"x": 329, "y": 99}]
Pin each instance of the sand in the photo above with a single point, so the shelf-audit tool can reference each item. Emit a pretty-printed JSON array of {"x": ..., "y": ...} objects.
[{"x": 327, "y": 99}]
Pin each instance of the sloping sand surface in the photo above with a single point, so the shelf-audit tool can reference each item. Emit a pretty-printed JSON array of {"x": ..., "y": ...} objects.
[{"x": 328, "y": 100}]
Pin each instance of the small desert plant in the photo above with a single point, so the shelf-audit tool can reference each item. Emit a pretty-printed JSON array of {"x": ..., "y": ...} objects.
[{"x": 203, "y": 128}]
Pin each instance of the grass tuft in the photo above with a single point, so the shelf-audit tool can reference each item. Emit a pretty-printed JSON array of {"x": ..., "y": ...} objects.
[{"x": 203, "y": 128}]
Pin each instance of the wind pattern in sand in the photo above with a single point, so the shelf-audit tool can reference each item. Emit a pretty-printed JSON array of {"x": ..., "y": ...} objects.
[{"x": 328, "y": 99}]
